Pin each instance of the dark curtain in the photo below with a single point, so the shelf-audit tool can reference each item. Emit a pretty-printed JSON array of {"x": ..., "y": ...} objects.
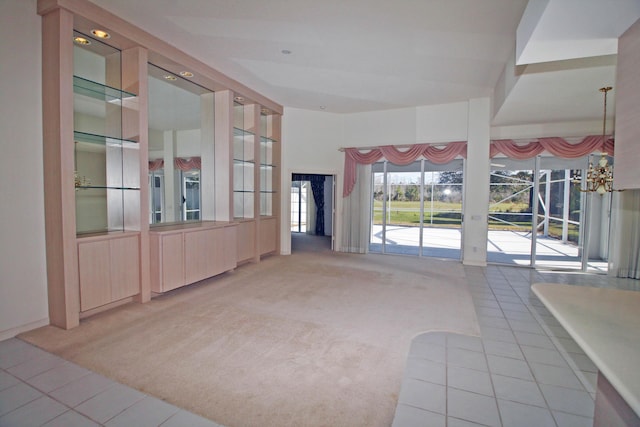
[{"x": 317, "y": 188}]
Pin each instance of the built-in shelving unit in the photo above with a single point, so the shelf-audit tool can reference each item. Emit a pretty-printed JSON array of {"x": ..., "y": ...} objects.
[
  {"x": 244, "y": 164},
  {"x": 97, "y": 110}
]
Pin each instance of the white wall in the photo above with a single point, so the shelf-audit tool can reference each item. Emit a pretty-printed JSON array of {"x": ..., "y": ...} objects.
[
  {"x": 310, "y": 143},
  {"x": 23, "y": 281}
]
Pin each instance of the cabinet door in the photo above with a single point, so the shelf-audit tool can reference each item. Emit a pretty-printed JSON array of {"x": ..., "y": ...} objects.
[
  {"x": 94, "y": 272},
  {"x": 198, "y": 255},
  {"x": 267, "y": 235},
  {"x": 246, "y": 242},
  {"x": 172, "y": 261},
  {"x": 125, "y": 267},
  {"x": 230, "y": 241}
]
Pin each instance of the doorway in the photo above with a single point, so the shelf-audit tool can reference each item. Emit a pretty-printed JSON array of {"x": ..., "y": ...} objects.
[
  {"x": 312, "y": 212},
  {"x": 417, "y": 209}
]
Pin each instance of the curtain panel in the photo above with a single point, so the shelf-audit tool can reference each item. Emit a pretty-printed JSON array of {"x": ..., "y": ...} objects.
[
  {"x": 317, "y": 188},
  {"x": 625, "y": 242},
  {"x": 557, "y": 146}
]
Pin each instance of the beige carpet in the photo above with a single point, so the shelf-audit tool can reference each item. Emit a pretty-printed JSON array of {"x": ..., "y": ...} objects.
[{"x": 311, "y": 339}]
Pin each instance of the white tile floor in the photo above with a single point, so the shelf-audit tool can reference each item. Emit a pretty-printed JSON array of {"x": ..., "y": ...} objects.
[
  {"x": 524, "y": 371},
  {"x": 40, "y": 389}
]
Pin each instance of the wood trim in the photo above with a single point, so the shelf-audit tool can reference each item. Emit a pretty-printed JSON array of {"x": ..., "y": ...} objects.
[
  {"x": 134, "y": 79},
  {"x": 224, "y": 155},
  {"x": 275, "y": 133},
  {"x": 105, "y": 307},
  {"x": 213, "y": 79},
  {"x": 60, "y": 217}
]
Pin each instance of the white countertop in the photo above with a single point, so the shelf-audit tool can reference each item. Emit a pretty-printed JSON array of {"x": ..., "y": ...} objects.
[{"x": 606, "y": 324}]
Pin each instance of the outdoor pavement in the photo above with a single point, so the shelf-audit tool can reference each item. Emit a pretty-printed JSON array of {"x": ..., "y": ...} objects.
[{"x": 503, "y": 247}]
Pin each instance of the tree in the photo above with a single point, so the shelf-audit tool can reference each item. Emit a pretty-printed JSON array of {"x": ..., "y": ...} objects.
[
  {"x": 450, "y": 177},
  {"x": 411, "y": 193}
]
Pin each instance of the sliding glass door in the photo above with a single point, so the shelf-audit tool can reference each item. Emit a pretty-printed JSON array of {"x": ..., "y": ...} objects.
[
  {"x": 417, "y": 209},
  {"x": 569, "y": 230},
  {"x": 511, "y": 207}
]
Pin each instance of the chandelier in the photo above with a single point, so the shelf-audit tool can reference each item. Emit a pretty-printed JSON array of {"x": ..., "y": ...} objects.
[{"x": 599, "y": 178}]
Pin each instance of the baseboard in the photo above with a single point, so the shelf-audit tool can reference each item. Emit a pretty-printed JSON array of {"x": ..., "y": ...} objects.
[
  {"x": 12, "y": 332},
  {"x": 475, "y": 263}
]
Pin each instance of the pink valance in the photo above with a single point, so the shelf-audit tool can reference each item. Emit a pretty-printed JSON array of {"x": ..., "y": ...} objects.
[
  {"x": 184, "y": 164},
  {"x": 187, "y": 164},
  {"x": 559, "y": 147},
  {"x": 156, "y": 164},
  {"x": 353, "y": 157}
]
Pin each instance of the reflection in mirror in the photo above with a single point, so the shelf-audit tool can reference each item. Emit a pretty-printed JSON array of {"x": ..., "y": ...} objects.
[{"x": 176, "y": 109}]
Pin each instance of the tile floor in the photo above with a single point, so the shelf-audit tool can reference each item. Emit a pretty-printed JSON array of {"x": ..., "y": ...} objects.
[
  {"x": 40, "y": 389},
  {"x": 525, "y": 370}
]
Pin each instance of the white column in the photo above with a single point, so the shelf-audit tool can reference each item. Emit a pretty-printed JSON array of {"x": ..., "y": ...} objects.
[
  {"x": 169, "y": 194},
  {"x": 207, "y": 178},
  {"x": 476, "y": 196}
]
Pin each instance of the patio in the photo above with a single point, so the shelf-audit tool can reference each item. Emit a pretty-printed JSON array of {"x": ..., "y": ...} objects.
[{"x": 503, "y": 247}]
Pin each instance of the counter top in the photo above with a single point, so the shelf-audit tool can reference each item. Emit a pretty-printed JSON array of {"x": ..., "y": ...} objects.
[{"x": 606, "y": 324}]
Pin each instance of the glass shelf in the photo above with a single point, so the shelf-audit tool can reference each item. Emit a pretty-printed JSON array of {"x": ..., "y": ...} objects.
[
  {"x": 242, "y": 133},
  {"x": 240, "y": 161},
  {"x": 99, "y": 91},
  {"x": 102, "y": 187},
  {"x": 101, "y": 139}
]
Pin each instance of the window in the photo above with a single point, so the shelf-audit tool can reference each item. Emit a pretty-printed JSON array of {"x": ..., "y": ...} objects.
[{"x": 190, "y": 195}]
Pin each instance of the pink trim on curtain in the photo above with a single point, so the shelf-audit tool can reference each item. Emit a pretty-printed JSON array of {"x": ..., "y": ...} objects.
[
  {"x": 186, "y": 164},
  {"x": 559, "y": 147},
  {"x": 437, "y": 155},
  {"x": 156, "y": 164}
]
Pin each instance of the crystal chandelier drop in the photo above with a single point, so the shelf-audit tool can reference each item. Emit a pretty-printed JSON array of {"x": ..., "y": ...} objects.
[{"x": 599, "y": 178}]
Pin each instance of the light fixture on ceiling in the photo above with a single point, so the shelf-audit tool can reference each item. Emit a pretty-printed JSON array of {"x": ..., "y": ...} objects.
[
  {"x": 81, "y": 40},
  {"x": 101, "y": 34},
  {"x": 170, "y": 77},
  {"x": 286, "y": 52},
  {"x": 186, "y": 73},
  {"x": 599, "y": 178},
  {"x": 238, "y": 99}
]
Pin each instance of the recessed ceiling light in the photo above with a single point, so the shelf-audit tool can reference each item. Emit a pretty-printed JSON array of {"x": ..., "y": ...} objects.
[
  {"x": 286, "y": 52},
  {"x": 101, "y": 33},
  {"x": 186, "y": 73},
  {"x": 81, "y": 40},
  {"x": 170, "y": 77},
  {"x": 239, "y": 98},
  {"x": 322, "y": 107}
]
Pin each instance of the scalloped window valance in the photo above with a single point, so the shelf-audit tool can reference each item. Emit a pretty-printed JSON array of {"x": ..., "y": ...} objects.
[
  {"x": 182, "y": 163},
  {"x": 557, "y": 146}
]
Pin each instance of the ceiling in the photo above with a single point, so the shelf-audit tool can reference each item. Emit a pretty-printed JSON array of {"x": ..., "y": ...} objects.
[{"x": 364, "y": 55}]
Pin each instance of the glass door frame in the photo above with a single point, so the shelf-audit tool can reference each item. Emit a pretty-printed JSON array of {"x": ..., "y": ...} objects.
[{"x": 386, "y": 195}]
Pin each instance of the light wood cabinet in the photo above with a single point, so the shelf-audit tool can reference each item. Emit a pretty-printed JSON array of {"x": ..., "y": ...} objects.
[
  {"x": 246, "y": 249},
  {"x": 167, "y": 261},
  {"x": 108, "y": 268},
  {"x": 185, "y": 254},
  {"x": 96, "y": 166},
  {"x": 268, "y": 235}
]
